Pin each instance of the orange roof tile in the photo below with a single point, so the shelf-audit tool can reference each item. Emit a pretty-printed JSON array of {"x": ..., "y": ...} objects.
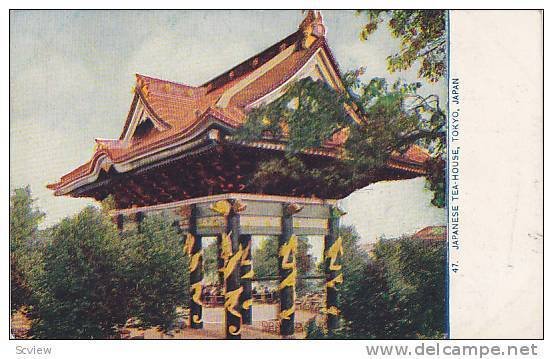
[
  {"x": 416, "y": 154},
  {"x": 181, "y": 109},
  {"x": 274, "y": 78},
  {"x": 432, "y": 233}
]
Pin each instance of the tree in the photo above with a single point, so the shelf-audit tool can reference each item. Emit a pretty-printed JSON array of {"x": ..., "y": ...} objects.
[
  {"x": 358, "y": 307},
  {"x": 415, "y": 272},
  {"x": 436, "y": 181},
  {"x": 92, "y": 280},
  {"x": 265, "y": 261},
  {"x": 156, "y": 269},
  {"x": 24, "y": 221},
  {"x": 211, "y": 272},
  {"x": 398, "y": 293},
  {"x": 423, "y": 39},
  {"x": 265, "y": 257},
  {"x": 394, "y": 117},
  {"x": 80, "y": 293}
]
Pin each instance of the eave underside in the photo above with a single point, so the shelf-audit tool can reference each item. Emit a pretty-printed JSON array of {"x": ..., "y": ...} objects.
[{"x": 218, "y": 169}]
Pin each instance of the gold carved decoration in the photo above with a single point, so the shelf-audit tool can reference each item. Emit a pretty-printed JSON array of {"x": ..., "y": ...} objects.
[
  {"x": 232, "y": 263},
  {"x": 293, "y": 208},
  {"x": 333, "y": 252},
  {"x": 248, "y": 275},
  {"x": 337, "y": 212},
  {"x": 196, "y": 319},
  {"x": 331, "y": 310},
  {"x": 188, "y": 244},
  {"x": 226, "y": 246},
  {"x": 222, "y": 207},
  {"x": 287, "y": 251},
  {"x": 285, "y": 314},
  {"x": 197, "y": 293},
  {"x": 290, "y": 281},
  {"x": 247, "y": 303},
  {"x": 188, "y": 248},
  {"x": 339, "y": 279},
  {"x": 245, "y": 261},
  {"x": 238, "y": 206},
  {"x": 231, "y": 301},
  {"x": 195, "y": 260},
  {"x": 233, "y": 331},
  {"x": 184, "y": 212}
]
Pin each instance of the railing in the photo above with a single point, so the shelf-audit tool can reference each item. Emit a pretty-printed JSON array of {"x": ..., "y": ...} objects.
[
  {"x": 216, "y": 300},
  {"x": 273, "y": 326}
]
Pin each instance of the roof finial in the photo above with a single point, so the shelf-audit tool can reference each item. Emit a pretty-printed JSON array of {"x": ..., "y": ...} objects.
[{"x": 312, "y": 27}]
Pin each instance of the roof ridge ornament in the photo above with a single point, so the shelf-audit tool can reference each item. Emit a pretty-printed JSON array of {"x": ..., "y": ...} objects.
[{"x": 312, "y": 27}]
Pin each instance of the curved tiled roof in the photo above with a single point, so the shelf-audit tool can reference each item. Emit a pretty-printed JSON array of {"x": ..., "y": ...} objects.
[
  {"x": 181, "y": 111},
  {"x": 438, "y": 233}
]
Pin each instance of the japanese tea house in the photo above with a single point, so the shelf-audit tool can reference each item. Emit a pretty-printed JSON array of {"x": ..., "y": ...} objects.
[{"x": 176, "y": 155}]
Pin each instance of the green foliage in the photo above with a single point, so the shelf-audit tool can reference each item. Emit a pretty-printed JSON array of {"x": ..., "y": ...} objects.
[
  {"x": 156, "y": 269},
  {"x": 423, "y": 39},
  {"x": 24, "y": 245},
  {"x": 81, "y": 291},
  {"x": 398, "y": 294},
  {"x": 19, "y": 290},
  {"x": 108, "y": 204},
  {"x": 91, "y": 280},
  {"x": 211, "y": 273},
  {"x": 265, "y": 257},
  {"x": 265, "y": 260},
  {"x": 414, "y": 270},
  {"x": 24, "y": 219},
  {"x": 435, "y": 181},
  {"x": 299, "y": 175},
  {"x": 393, "y": 118},
  {"x": 304, "y": 119}
]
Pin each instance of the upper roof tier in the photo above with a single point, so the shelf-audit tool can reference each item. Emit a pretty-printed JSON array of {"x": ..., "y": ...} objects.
[{"x": 164, "y": 114}]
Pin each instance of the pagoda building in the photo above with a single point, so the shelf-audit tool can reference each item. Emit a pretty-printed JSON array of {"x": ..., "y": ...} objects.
[{"x": 176, "y": 155}]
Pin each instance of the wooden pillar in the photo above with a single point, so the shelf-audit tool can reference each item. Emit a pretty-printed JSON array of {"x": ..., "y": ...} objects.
[
  {"x": 119, "y": 221},
  {"x": 233, "y": 289},
  {"x": 194, "y": 247},
  {"x": 333, "y": 268},
  {"x": 231, "y": 251},
  {"x": 287, "y": 247},
  {"x": 246, "y": 276},
  {"x": 220, "y": 260},
  {"x": 139, "y": 217}
]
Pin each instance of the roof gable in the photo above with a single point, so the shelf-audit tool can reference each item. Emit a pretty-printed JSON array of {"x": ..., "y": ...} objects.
[
  {"x": 165, "y": 115},
  {"x": 140, "y": 116},
  {"x": 317, "y": 67},
  {"x": 251, "y": 63},
  {"x": 177, "y": 106}
]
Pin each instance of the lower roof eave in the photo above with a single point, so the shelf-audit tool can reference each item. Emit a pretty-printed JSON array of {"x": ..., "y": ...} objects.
[
  {"x": 226, "y": 196},
  {"x": 194, "y": 147},
  {"x": 134, "y": 164}
]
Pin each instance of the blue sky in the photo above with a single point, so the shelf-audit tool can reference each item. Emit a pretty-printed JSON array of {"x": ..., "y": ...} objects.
[{"x": 71, "y": 75}]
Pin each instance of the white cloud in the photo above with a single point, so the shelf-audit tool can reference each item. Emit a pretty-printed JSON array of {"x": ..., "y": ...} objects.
[{"x": 390, "y": 209}]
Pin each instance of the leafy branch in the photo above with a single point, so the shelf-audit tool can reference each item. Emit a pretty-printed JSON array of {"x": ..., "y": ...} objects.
[
  {"x": 422, "y": 35},
  {"x": 310, "y": 113}
]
